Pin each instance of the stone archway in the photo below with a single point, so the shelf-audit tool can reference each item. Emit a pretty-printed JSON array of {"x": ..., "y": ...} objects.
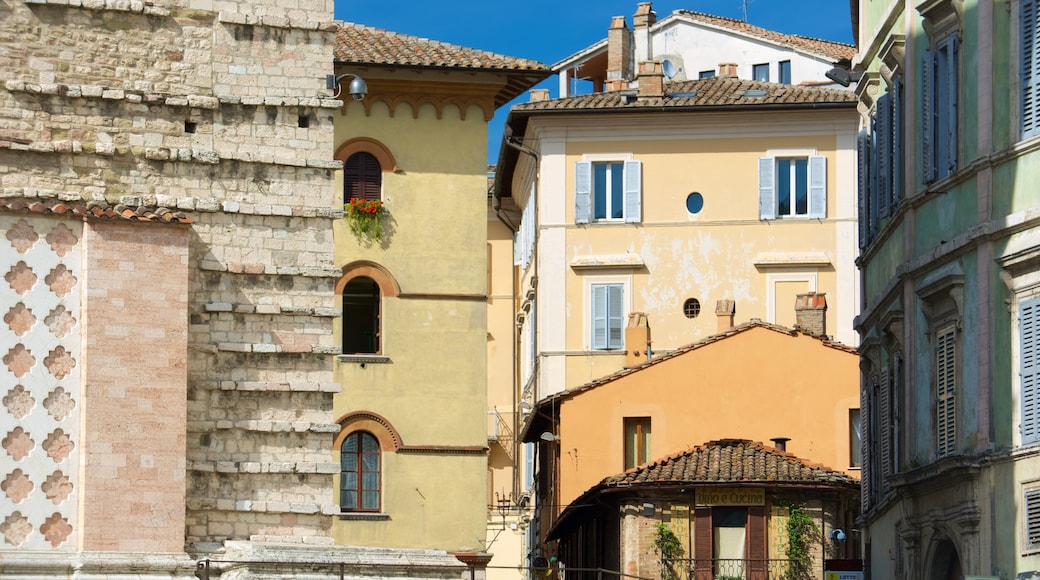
[{"x": 946, "y": 562}]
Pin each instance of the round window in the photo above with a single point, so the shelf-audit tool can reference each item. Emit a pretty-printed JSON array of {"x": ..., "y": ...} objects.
[
  {"x": 694, "y": 202},
  {"x": 691, "y": 308}
]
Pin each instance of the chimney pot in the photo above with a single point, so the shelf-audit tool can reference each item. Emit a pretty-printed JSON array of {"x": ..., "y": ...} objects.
[
  {"x": 780, "y": 443},
  {"x": 724, "y": 311},
  {"x": 539, "y": 95},
  {"x": 728, "y": 69},
  {"x": 810, "y": 312},
  {"x": 651, "y": 80},
  {"x": 645, "y": 15}
]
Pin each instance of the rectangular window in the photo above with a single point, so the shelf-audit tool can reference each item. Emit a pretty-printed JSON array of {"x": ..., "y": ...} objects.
[
  {"x": 608, "y": 191},
  {"x": 785, "y": 72},
  {"x": 855, "y": 439},
  {"x": 1029, "y": 369},
  {"x": 792, "y": 187},
  {"x": 607, "y": 316},
  {"x": 637, "y": 441},
  {"x": 760, "y": 72},
  {"x": 945, "y": 390},
  {"x": 939, "y": 83},
  {"x": 706, "y": 74}
]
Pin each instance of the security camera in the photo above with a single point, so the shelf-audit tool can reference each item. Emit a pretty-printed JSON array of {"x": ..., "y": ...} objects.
[
  {"x": 358, "y": 88},
  {"x": 358, "y": 96}
]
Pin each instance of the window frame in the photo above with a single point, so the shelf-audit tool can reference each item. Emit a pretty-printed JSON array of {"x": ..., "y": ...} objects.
[
  {"x": 637, "y": 430},
  {"x": 756, "y": 69},
  {"x": 608, "y": 316},
  {"x": 376, "y": 312},
  {"x": 585, "y": 189},
  {"x": 940, "y": 75},
  {"x": 815, "y": 185},
  {"x": 855, "y": 439},
  {"x": 784, "y": 72},
  {"x": 366, "y": 173},
  {"x": 360, "y": 490}
]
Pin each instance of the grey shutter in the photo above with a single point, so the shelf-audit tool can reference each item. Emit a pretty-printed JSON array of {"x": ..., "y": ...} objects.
[
  {"x": 945, "y": 391},
  {"x": 633, "y": 191},
  {"x": 766, "y": 188},
  {"x": 862, "y": 153},
  {"x": 1029, "y": 80},
  {"x": 897, "y": 144},
  {"x": 817, "y": 186},
  {"x": 615, "y": 317},
  {"x": 582, "y": 192},
  {"x": 883, "y": 112},
  {"x": 885, "y": 419},
  {"x": 865, "y": 439},
  {"x": 873, "y": 184},
  {"x": 927, "y": 120},
  {"x": 952, "y": 70},
  {"x": 599, "y": 316},
  {"x": 1029, "y": 369}
]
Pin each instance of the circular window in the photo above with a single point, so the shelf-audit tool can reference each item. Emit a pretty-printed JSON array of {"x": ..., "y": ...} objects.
[
  {"x": 694, "y": 202},
  {"x": 691, "y": 308}
]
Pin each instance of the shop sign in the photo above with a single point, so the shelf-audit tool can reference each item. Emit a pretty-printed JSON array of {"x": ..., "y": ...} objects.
[{"x": 719, "y": 496}]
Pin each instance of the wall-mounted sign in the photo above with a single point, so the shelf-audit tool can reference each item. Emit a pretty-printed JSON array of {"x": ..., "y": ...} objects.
[
  {"x": 731, "y": 496},
  {"x": 843, "y": 575}
]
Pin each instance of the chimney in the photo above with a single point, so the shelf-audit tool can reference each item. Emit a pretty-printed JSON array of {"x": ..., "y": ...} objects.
[
  {"x": 651, "y": 80},
  {"x": 619, "y": 50},
  {"x": 728, "y": 69},
  {"x": 539, "y": 95},
  {"x": 780, "y": 443},
  {"x": 615, "y": 85},
  {"x": 637, "y": 340},
  {"x": 810, "y": 314},
  {"x": 645, "y": 18},
  {"x": 724, "y": 311}
]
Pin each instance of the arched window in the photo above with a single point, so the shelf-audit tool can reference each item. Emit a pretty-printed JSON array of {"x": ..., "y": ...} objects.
[
  {"x": 361, "y": 316},
  {"x": 359, "y": 473},
  {"x": 362, "y": 177}
]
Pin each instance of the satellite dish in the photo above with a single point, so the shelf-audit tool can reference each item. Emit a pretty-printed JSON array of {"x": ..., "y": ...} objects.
[{"x": 668, "y": 68}]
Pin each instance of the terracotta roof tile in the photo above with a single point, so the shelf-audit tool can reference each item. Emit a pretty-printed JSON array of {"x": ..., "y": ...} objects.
[
  {"x": 359, "y": 44},
  {"x": 828, "y": 48},
  {"x": 701, "y": 93},
  {"x": 729, "y": 461},
  {"x": 92, "y": 210}
]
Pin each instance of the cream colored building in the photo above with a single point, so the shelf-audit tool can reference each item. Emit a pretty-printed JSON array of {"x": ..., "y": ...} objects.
[{"x": 413, "y": 438}]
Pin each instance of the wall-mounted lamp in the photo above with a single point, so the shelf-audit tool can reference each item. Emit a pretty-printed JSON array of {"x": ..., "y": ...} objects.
[
  {"x": 838, "y": 535},
  {"x": 358, "y": 88},
  {"x": 547, "y": 436},
  {"x": 843, "y": 77},
  {"x": 648, "y": 510}
]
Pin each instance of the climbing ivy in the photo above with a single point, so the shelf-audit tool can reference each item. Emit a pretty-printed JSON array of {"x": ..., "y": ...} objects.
[
  {"x": 802, "y": 534},
  {"x": 668, "y": 545}
]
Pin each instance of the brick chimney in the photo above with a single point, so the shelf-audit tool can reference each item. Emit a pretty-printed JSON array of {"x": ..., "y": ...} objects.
[
  {"x": 645, "y": 18},
  {"x": 651, "y": 80},
  {"x": 724, "y": 311},
  {"x": 637, "y": 339},
  {"x": 728, "y": 69},
  {"x": 810, "y": 314},
  {"x": 539, "y": 95},
  {"x": 619, "y": 50}
]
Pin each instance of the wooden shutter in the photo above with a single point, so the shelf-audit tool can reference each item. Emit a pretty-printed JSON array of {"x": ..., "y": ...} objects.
[
  {"x": 865, "y": 439},
  {"x": 897, "y": 144},
  {"x": 817, "y": 186},
  {"x": 951, "y": 70},
  {"x": 1032, "y": 510},
  {"x": 766, "y": 188},
  {"x": 1029, "y": 77},
  {"x": 862, "y": 153},
  {"x": 599, "y": 316},
  {"x": 615, "y": 317},
  {"x": 702, "y": 543},
  {"x": 945, "y": 391},
  {"x": 927, "y": 116},
  {"x": 883, "y": 114},
  {"x": 1029, "y": 369},
  {"x": 633, "y": 191},
  {"x": 362, "y": 177},
  {"x": 757, "y": 552},
  {"x": 884, "y": 420},
  {"x": 582, "y": 192}
]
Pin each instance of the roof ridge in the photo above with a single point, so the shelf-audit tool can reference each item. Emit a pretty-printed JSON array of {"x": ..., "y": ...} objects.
[{"x": 736, "y": 24}]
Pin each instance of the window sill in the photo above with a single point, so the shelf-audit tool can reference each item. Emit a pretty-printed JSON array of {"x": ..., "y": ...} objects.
[
  {"x": 363, "y": 359},
  {"x": 365, "y": 516}
]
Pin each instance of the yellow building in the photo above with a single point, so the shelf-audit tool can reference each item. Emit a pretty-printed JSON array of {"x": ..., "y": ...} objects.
[{"x": 412, "y": 439}]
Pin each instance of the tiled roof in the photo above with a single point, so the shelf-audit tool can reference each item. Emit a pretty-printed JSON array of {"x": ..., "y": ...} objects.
[
  {"x": 92, "y": 210},
  {"x": 828, "y": 48},
  {"x": 729, "y": 461},
  {"x": 359, "y": 44},
  {"x": 701, "y": 93}
]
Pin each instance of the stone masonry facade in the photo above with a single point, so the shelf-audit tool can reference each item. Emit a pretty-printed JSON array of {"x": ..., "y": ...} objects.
[{"x": 217, "y": 110}]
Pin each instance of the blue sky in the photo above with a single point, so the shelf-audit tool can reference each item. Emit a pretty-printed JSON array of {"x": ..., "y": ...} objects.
[{"x": 549, "y": 30}]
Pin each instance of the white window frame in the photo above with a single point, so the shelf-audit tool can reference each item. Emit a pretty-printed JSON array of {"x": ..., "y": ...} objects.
[
  {"x": 816, "y": 184},
  {"x": 811, "y": 278},
  {"x": 585, "y": 188},
  {"x": 626, "y": 307}
]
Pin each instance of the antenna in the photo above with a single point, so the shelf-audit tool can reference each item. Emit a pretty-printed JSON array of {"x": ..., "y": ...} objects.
[{"x": 745, "y": 2}]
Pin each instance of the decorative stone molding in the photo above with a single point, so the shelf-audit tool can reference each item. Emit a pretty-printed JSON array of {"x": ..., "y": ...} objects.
[
  {"x": 869, "y": 88},
  {"x": 373, "y": 147},
  {"x": 941, "y": 18},
  {"x": 893, "y": 53}
]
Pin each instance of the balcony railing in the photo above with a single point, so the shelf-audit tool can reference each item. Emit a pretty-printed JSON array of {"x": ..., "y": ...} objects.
[{"x": 723, "y": 569}]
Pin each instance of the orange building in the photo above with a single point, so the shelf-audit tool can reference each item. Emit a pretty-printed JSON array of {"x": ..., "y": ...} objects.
[{"x": 756, "y": 381}]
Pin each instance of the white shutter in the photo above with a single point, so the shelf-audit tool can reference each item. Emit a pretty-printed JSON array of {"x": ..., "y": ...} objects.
[
  {"x": 766, "y": 188},
  {"x": 615, "y": 317},
  {"x": 1029, "y": 369},
  {"x": 817, "y": 186},
  {"x": 633, "y": 191},
  {"x": 582, "y": 192},
  {"x": 945, "y": 391},
  {"x": 927, "y": 120},
  {"x": 599, "y": 316},
  {"x": 1029, "y": 77}
]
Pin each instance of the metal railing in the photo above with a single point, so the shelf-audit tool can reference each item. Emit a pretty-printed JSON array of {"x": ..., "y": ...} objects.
[{"x": 723, "y": 569}]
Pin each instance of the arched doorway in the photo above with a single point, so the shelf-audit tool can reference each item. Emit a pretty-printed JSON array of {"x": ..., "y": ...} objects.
[{"x": 946, "y": 563}]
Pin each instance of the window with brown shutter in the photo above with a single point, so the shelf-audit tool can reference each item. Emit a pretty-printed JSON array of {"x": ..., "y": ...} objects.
[{"x": 362, "y": 177}]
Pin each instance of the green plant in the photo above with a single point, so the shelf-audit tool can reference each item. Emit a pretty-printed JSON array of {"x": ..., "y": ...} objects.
[
  {"x": 365, "y": 217},
  {"x": 669, "y": 547},
  {"x": 802, "y": 534}
]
